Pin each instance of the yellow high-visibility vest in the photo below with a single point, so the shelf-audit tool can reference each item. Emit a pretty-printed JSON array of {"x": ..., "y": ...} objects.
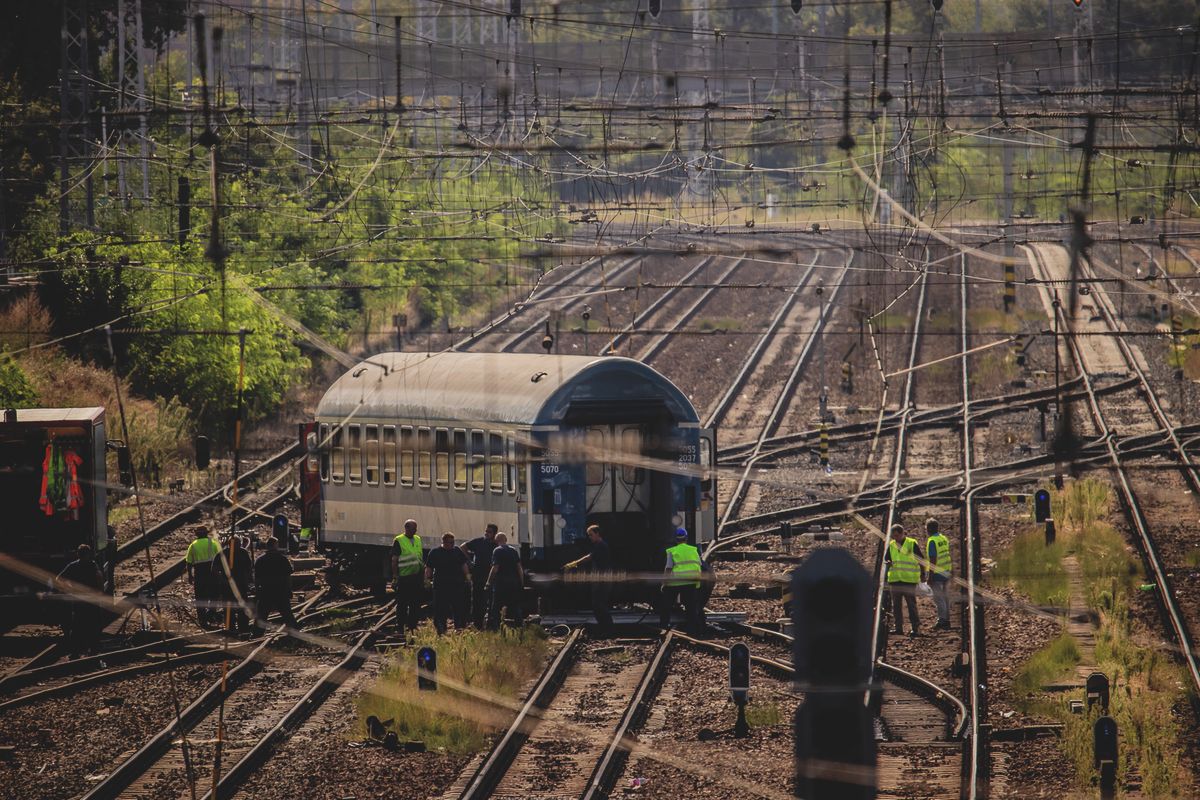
[
  {"x": 202, "y": 551},
  {"x": 942, "y": 565},
  {"x": 685, "y": 562},
  {"x": 904, "y": 567},
  {"x": 411, "y": 555}
]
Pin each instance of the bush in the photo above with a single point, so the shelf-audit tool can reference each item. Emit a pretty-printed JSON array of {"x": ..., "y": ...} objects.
[{"x": 15, "y": 389}]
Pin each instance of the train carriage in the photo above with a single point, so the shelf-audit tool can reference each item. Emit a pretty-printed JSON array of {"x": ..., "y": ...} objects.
[{"x": 542, "y": 445}]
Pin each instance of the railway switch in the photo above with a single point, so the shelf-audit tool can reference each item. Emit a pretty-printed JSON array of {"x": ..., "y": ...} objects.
[
  {"x": 427, "y": 669},
  {"x": 1041, "y": 506}
]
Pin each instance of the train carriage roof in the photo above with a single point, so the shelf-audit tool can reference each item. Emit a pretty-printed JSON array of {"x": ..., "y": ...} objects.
[{"x": 512, "y": 388}]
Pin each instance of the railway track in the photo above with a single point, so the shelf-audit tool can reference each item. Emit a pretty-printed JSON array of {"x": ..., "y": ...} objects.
[
  {"x": 1174, "y": 619},
  {"x": 783, "y": 397},
  {"x": 566, "y": 740},
  {"x": 238, "y": 720}
]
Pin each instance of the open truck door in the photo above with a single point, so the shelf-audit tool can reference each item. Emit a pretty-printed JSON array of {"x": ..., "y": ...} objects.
[{"x": 706, "y": 515}]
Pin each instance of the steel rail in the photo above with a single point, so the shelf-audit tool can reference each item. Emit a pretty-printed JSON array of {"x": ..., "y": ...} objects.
[
  {"x": 784, "y": 398},
  {"x": 608, "y": 768},
  {"x": 487, "y": 777},
  {"x": 295, "y": 716},
  {"x": 1166, "y": 595},
  {"x": 974, "y": 629},
  {"x": 661, "y": 340},
  {"x": 512, "y": 342},
  {"x": 878, "y": 643},
  {"x": 193, "y": 512},
  {"x": 651, "y": 309},
  {"x": 717, "y": 415}
]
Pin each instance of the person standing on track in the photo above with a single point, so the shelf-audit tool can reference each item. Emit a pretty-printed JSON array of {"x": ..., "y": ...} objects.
[
  {"x": 599, "y": 558},
  {"x": 682, "y": 582},
  {"x": 232, "y": 568},
  {"x": 479, "y": 551},
  {"x": 200, "y": 555},
  {"x": 81, "y": 617},
  {"x": 937, "y": 550},
  {"x": 446, "y": 567},
  {"x": 408, "y": 562},
  {"x": 273, "y": 578},
  {"x": 903, "y": 574},
  {"x": 506, "y": 581}
]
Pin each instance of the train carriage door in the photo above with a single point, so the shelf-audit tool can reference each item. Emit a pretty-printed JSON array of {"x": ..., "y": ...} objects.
[
  {"x": 616, "y": 483},
  {"x": 706, "y": 527}
]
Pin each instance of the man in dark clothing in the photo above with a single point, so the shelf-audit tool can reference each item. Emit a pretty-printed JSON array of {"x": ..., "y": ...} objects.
[
  {"x": 273, "y": 577},
  {"x": 506, "y": 580},
  {"x": 599, "y": 559},
  {"x": 233, "y": 560},
  {"x": 446, "y": 567},
  {"x": 81, "y": 578},
  {"x": 479, "y": 551}
]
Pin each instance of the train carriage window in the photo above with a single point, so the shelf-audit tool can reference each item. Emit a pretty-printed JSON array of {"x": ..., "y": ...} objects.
[
  {"x": 460, "y": 460},
  {"x": 441, "y": 459},
  {"x": 424, "y": 464},
  {"x": 337, "y": 454},
  {"x": 323, "y": 444},
  {"x": 354, "y": 454},
  {"x": 496, "y": 462},
  {"x": 371, "y": 453},
  {"x": 631, "y": 450},
  {"x": 389, "y": 455},
  {"x": 593, "y": 449},
  {"x": 407, "y": 459},
  {"x": 478, "y": 461},
  {"x": 510, "y": 465},
  {"x": 521, "y": 458}
]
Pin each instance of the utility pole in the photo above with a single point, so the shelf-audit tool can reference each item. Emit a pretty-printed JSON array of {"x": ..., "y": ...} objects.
[{"x": 73, "y": 138}]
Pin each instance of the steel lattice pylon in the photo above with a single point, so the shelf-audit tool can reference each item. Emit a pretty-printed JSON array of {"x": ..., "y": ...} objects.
[
  {"x": 131, "y": 98},
  {"x": 75, "y": 140}
]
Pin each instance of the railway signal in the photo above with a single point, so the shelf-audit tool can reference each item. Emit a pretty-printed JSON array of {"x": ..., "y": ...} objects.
[
  {"x": 739, "y": 686},
  {"x": 834, "y": 730},
  {"x": 279, "y": 529},
  {"x": 1041, "y": 505},
  {"x": 796, "y": 6},
  {"x": 825, "y": 447},
  {"x": 655, "y": 8},
  {"x": 427, "y": 669},
  {"x": 203, "y": 452},
  {"x": 1097, "y": 691},
  {"x": 1105, "y": 753}
]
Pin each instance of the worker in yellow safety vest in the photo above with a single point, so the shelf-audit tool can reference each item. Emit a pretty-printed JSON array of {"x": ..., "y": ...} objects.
[
  {"x": 408, "y": 569},
  {"x": 681, "y": 582},
  {"x": 903, "y": 574},
  {"x": 937, "y": 551},
  {"x": 199, "y": 558}
]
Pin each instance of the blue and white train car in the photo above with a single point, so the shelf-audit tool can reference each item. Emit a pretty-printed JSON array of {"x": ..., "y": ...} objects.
[{"x": 541, "y": 445}]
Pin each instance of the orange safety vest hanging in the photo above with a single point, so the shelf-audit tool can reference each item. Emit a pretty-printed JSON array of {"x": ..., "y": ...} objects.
[{"x": 74, "y": 492}]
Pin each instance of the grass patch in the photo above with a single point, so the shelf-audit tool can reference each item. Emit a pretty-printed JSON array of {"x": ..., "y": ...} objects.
[
  {"x": 991, "y": 320},
  {"x": 892, "y": 321},
  {"x": 720, "y": 324},
  {"x": 487, "y": 666},
  {"x": 1034, "y": 569},
  {"x": 942, "y": 321},
  {"x": 1052, "y": 664},
  {"x": 1192, "y": 559},
  {"x": 763, "y": 715},
  {"x": 1148, "y": 691}
]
